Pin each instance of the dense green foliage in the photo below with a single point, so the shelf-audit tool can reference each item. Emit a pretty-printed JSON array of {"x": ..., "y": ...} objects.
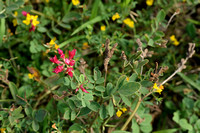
[{"x": 121, "y": 52}]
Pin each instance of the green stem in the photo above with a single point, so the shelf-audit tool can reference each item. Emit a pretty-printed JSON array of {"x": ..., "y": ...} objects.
[
  {"x": 41, "y": 14},
  {"x": 132, "y": 115},
  {"x": 7, "y": 100}
]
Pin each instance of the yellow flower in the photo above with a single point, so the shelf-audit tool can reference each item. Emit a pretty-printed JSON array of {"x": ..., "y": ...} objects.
[
  {"x": 115, "y": 16},
  {"x": 129, "y": 22},
  {"x": 30, "y": 76},
  {"x": 3, "y": 130},
  {"x": 15, "y": 13},
  {"x": 149, "y": 2},
  {"x": 52, "y": 42},
  {"x": 47, "y": 1},
  {"x": 127, "y": 78},
  {"x": 34, "y": 20},
  {"x": 56, "y": 46},
  {"x": 124, "y": 109},
  {"x": 28, "y": 19},
  {"x": 184, "y": 0},
  {"x": 14, "y": 21},
  {"x": 157, "y": 89},
  {"x": 85, "y": 45},
  {"x": 75, "y": 2},
  {"x": 174, "y": 40},
  {"x": 103, "y": 28},
  {"x": 119, "y": 113}
]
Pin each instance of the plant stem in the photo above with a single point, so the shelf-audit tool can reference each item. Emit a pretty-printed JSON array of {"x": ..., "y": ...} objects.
[
  {"x": 132, "y": 115},
  {"x": 7, "y": 100},
  {"x": 44, "y": 95}
]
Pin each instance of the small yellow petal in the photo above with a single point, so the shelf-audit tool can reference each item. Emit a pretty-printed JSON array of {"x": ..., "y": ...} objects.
[
  {"x": 129, "y": 22},
  {"x": 103, "y": 28},
  {"x": 124, "y": 109},
  {"x": 149, "y": 2},
  {"x": 15, "y": 13},
  {"x": 127, "y": 78},
  {"x": 14, "y": 21},
  {"x": 30, "y": 76},
  {"x": 119, "y": 113},
  {"x": 56, "y": 46},
  {"x": 75, "y": 2}
]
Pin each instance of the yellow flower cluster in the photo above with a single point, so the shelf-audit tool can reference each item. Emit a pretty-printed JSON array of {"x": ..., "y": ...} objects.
[
  {"x": 158, "y": 89},
  {"x": 85, "y": 45},
  {"x": 75, "y": 2},
  {"x": 119, "y": 112},
  {"x": 3, "y": 130},
  {"x": 115, "y": 16},
  {"x": 129, "y": 22},
  {"x": 31, "y": 19},
  {"x": 103, "y": 28},
  {"x": 14, "y": 21},
  {"x": 174, "y": 40},
  {"x": 52, "y": 42},
  {"x": 149, "y": 2}
]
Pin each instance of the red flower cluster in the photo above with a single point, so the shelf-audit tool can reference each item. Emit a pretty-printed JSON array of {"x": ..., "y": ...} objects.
[
  {"x": 81, "y": 87},
  {"x": 66, "y": 64}
]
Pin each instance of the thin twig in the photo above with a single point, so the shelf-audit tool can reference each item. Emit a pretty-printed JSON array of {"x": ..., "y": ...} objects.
[{"x": 175, "y": 13}]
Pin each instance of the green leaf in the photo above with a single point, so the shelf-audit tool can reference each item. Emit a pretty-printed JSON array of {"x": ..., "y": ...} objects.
[
  {"x": 84, "y": 111},
  {"x": 73, "y": 115},
  {"x": 56, "y": 30},
  {"x": 111, "y": 109},
  {"x": 13, "y": 89},
  {"x": 188, "y": 80},
  {"x": 66, "y": 26},
  {"x": 73, "y": 39},
  {"x": 66, "y": 81},
  {"x": 11, "y": 7},
  {"x": 81, "y": 78},
  {"x": 129, "y": 88},
  {"x": 95, "y": 8},
  {"x": 28, "y": 110},
  {"x": 103, "y": 112},
  {"x": 100, "y": 88},
  {"x": 97, "y": 73},
  {"x": 42, "y": 29},
  {"x": 135, "y": 56},
  {"x": 133, "y": 77},
  {"x": 35, "y": 126},
  {"x": 184, "y": 124},
  {"x": 19, "y": 2},
  {"x": 90, "y": 22},
  {"x": 135, "y": 127},
  {"x": 75, "y": 127},
  {"x": 67, "y": 114},
  {"x": 71, "y": 104},
  {"x": 100, "y": 80},
  {"x": 40, "y": 115},
  {"x": 151, "y": 43},
  {"x": 125, "y": 100},
  {"x": 2, "y": 28},
  {"x": 161, "y": 16},
  {"x": 174, "y": 130},
  {"x": 94, "y": 106},
  {"x": 142, "y": 63},
  {"x": 191, "y": 30},
  {"x": 176, "y": 116},
  {"x": 71, "y": 16}
]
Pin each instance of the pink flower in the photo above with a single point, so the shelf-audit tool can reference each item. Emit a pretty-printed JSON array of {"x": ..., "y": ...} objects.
[
  {"x": 55, "y": 60},
  {"x": 61, "y": 54},
  {"x": 81, "y": 86},
  {"x": 69, "y": 71},
  {"x": 32, "y": 28},
  {"x": 69, "y": 62},
  {"x": 24, "y": 13},
  {"x": 72, "y": 54},
  {"x": 58, "y": 69}
]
